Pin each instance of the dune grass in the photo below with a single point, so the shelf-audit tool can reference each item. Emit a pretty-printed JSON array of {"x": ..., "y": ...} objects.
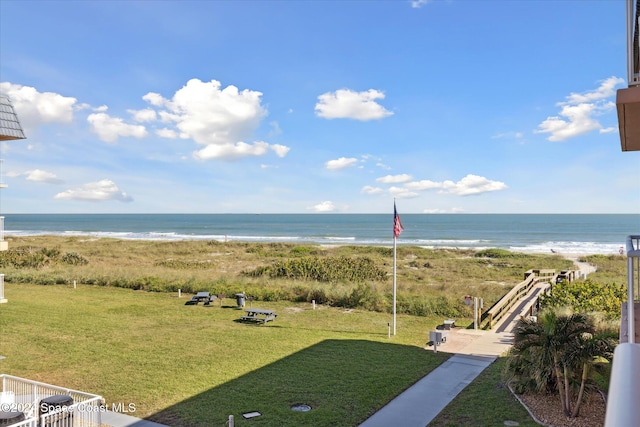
[{"x": 430, "y": 282}]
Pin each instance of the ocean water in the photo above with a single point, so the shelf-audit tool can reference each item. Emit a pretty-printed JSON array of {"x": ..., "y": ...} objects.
[{"x": 533, "y": 233}]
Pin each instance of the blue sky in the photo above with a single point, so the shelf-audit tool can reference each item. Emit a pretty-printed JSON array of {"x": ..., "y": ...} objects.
[{"x": 316, "y": 106}]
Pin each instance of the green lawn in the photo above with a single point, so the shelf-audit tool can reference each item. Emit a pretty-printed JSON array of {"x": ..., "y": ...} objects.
[{"x": 195, "y": 365}]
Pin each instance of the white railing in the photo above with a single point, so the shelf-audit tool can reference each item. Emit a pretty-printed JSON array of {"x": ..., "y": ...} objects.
[
  {"x": 633, "y": 284},
  {"x": 26, "y": 396},
  {"x": 624, "y": 387},
  {"x": 633, "y": 43}
]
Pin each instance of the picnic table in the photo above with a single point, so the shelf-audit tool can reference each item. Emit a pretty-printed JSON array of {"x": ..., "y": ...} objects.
[
  {"x": 201, "y": 297},
  {"x": 259, "y": 315}
]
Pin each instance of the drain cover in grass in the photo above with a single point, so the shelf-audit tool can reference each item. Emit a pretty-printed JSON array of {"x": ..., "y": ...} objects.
[{"x": 251, "y": 415}]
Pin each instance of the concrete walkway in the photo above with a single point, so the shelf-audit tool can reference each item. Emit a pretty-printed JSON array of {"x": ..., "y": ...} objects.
[
  {"x": 116, "y": 419},
  {"x": 422, "y": 402}
]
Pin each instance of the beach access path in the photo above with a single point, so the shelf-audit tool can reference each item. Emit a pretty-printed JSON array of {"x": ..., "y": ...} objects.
[{"x": 474, "y": 350}]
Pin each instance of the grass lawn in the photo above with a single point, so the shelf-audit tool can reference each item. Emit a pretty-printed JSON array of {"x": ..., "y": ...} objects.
[{"x": 196, "y": 365}]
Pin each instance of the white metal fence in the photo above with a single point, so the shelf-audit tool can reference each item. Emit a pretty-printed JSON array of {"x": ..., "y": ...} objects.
[{"x": 33, "y": 399}]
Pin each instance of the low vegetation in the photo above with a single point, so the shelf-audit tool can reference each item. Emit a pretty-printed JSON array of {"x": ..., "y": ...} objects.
[
  {"x": 587, "y": 296},
  {"x": 429, "y": 282}
]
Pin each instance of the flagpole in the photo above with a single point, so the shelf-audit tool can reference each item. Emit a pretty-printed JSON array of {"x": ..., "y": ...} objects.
[
  {"x": 394, "y": 284},
  {"x": 397, "y": 229}
]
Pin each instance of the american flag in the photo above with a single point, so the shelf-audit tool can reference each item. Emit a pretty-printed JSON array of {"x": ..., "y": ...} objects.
[{"x": 397, "y": 224}]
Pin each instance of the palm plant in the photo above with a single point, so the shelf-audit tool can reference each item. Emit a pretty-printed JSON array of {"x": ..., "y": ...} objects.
[{"x": 555, "y": 352}]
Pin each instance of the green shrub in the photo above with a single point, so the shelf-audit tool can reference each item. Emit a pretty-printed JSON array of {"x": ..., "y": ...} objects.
[
  {"x": 587, "y": 296},
  {"x": 330, "y": 269},
  {"x": 178, "y": 264},
  {"x": 494, "y": 253},
  {"x": 73, "y": 258}
]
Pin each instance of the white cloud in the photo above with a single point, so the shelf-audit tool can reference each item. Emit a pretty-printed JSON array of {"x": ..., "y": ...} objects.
[
  {"x": 441, "y": 211},
  {"x": 326, "y": 206},
  {"x": 423, "y": 185},
  {"x": 578, "y": 112},
  {"x": 219, "y": 118},
  {"x": 167, "y": 133},
  {"x": 394, "y": 179},
  {"x": 38, "y": 175},
  {"x": 347, "y": 104},
  {"x": 155, "y": 99},
  {"x": 367, "y": 189},
  {"x": 232, "y": 151},
  {"x": 143, "y": 116},
  {"x": 275, "y": 128},
  {"x": 109, "y": 129},
  {"x": 35, "y": 108},
  {"x": 402, "y": 193},
  {"x": 606, "y": 90},
  {"x": 609, "y": 130},
  {"x": 103, "y": 190},
  {"x": 472, "y": 184},
  {"x": 341, "y": 163},
  {"x": 416, "y": 4},
  {"x": 508, "y": 135},
  {"x": 280, "y": 150}
]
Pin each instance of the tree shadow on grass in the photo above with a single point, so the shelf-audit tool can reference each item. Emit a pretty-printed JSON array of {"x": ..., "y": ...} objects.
[{"x": 343, "y": 381}]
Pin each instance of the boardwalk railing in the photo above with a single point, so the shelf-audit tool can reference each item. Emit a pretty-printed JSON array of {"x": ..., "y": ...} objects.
[
  {"x": 499, "y": 309},
  {"x": 79, "y": 409}
]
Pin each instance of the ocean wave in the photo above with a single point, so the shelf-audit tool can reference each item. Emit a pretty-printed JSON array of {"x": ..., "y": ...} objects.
[
  {"x": 573, "y": 248},
  {"x": 560, "y": 247}
]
